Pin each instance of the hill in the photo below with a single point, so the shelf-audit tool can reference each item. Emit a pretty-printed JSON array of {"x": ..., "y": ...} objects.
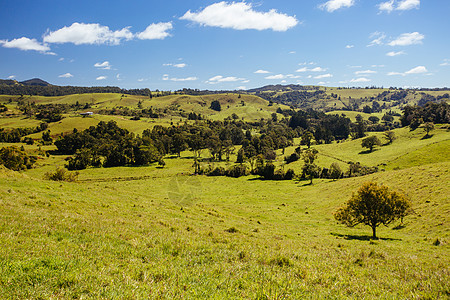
[{"x": 35, "y": 82}]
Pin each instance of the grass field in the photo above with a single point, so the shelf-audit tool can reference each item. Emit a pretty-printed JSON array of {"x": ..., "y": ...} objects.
[{"x": 162, "y": 233}]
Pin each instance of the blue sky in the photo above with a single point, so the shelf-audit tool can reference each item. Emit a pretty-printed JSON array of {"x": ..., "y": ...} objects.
[{"x": 172, "y": 44}]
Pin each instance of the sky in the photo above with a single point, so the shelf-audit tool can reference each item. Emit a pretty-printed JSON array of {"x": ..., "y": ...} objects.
[{"x": 224, "y": 45}]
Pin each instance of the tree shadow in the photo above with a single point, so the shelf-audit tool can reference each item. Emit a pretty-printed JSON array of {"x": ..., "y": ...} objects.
[
  {"x": 368, "y": 151},
  {"x": 361, "y": 237},
  {"x": 398, "y": 227},
  {"x": 427, "y": 136}
]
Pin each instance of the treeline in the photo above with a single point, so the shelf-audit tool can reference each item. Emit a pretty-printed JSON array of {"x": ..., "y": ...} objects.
[
  {"x": 15, "y": 135},
  {"x": 291, "y": 98},
  {"x": 54, "y": 90},
  {"x": 106, "y": 145},
  {"x": 325, "y": 128},
  {"x": 414, "y": 116}
]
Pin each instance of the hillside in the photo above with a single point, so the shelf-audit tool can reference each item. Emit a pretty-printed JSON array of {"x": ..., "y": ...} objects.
[{"x": 157, "y": 229}]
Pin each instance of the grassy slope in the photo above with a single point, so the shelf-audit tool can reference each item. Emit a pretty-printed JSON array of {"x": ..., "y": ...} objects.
[{"x": 120, "y": 239}]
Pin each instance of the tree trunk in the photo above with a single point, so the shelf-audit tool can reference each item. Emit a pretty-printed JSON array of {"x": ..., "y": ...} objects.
[{"x": 374, "y": 230}]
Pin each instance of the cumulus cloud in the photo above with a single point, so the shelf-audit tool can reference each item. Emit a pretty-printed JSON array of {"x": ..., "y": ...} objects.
[
  {"x": 166, "y": 77},
  {"x": 67, "y": 75},
  {"x": 359, "y": 80},
  {"x": 306, "y": 69},
  {"x": 349, "y": 46},
  {"x": 104, "y": 65},
  {"x": 408, "y": 4},
  {"x": 416, "y": 70},
  {"x": 323, "y": 76},
  {"x": 261, "y": 72},
  {"x": 27, "y": 44},
  {"x": 407, "y": 39},
  {"x": 393, "y": 53},
  {"x": 11, "y": 76},
  {"x": 333, "y": 5},
  {"x": 390, "y": 6},
  {"x": 81, "y": 33},
  {"x": 158, "y": 31},
  {"x": 386, "y": 6},
  {"x": 220, "y": 78},
  {"x": 281, "y": 76},
  {"x": 240, "y": 16},
  {"x": 181, "y": 65},
  {"x": 377, "y": 38},
  {"x": 365, "y": 72},
  {"x": 101, "y": 78}
]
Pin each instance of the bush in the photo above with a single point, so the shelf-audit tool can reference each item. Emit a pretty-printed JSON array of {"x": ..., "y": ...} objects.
[
  {"x": 291, "y": 158},
  {"x": 15, "y": 159},
  {"x": 61, "y": 174},
  {"x": 219, "y": 171},
  {"x": 237, "y": 171}
]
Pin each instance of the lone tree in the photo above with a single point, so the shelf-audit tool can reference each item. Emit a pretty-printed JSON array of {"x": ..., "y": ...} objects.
[
  {"x": 373, "y": 205},
  {"x": 389, "y": 136},
  {"x": 370, "y": 142},
  {"x": 428, "y": 126},
  {"x": 215, "y": 105}
]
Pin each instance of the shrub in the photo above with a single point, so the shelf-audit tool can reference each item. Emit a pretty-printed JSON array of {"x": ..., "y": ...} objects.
[
  {"x": 61, "y": 174},
  {"x": 237, "y": 171},
  {"x": 15, "y": 159}
]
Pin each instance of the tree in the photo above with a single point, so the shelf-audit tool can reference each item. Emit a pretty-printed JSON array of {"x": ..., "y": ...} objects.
[
  {"x": 335, "y": 171},
  {"x": 428, "y": 126},
  {"x": 389, "y": 136},
  {"x": 215, "y": 105},
  {"x": 310, "y": 169},
  {"x": 373, "y": 205},
  {"x": 306, "y": 139},
  {"x": 370, "y": 142}
]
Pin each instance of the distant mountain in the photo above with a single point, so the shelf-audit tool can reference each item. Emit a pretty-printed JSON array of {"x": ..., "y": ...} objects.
[
  {"x": 35, "y": 81},
  {"x": 8, "y": 82}
]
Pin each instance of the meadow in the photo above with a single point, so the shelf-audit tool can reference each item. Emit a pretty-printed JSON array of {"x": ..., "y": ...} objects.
[{"x": 156, "y": 232}]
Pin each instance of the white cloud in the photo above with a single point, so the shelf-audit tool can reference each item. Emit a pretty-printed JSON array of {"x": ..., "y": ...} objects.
[
  {"x": 386, "y": 6},
  {"x": 26, "y": 44},
  {"x": 407, "y": 39},
  {"x": 276, "y": 77},
  {"x": 446, "y": 62},
  {"x": 261, "y": 72},
  {"x": 401, "y": 5},
  {"x": 104, "y": 65},
  {"x": 61, "y": 59},
  {"x": 377, "y": 66},
  {"x": 359, "y": 80},
  {"x": 220, "y": 78},
  {"x": 166, "y": 77},
  {"x": 306, "y": 69},
  {"x": 292, "y": 52},
  {"x": 321, "y": 83},
  {"x": 101, "y": 78},
  {"x": 181, "y": 65},
  {"x": 378, "y": 38},
  {"x": 141, "y": 79},
  {"x": 282, "y": 76},
  {"x": 80, "y": 33},
  {"x": 333, "y": 5},
  {"x": 241, "y": 88},
  {"x": 240, "y": 16},
  {"x": 350, "y": 46},
  {"x": 393, "y": 53},
  {"x": 416, "y": 70},
  {"x": 408, "y": 4},
  {"x": 323, "y": 76},
  {"x": 11, "y": 76},
  {"x": 67, "y": 75},
  {"x": 154, "y": 31},
  {"x": 118, "y": 77},
  {"x": 365, "y": 72}
]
